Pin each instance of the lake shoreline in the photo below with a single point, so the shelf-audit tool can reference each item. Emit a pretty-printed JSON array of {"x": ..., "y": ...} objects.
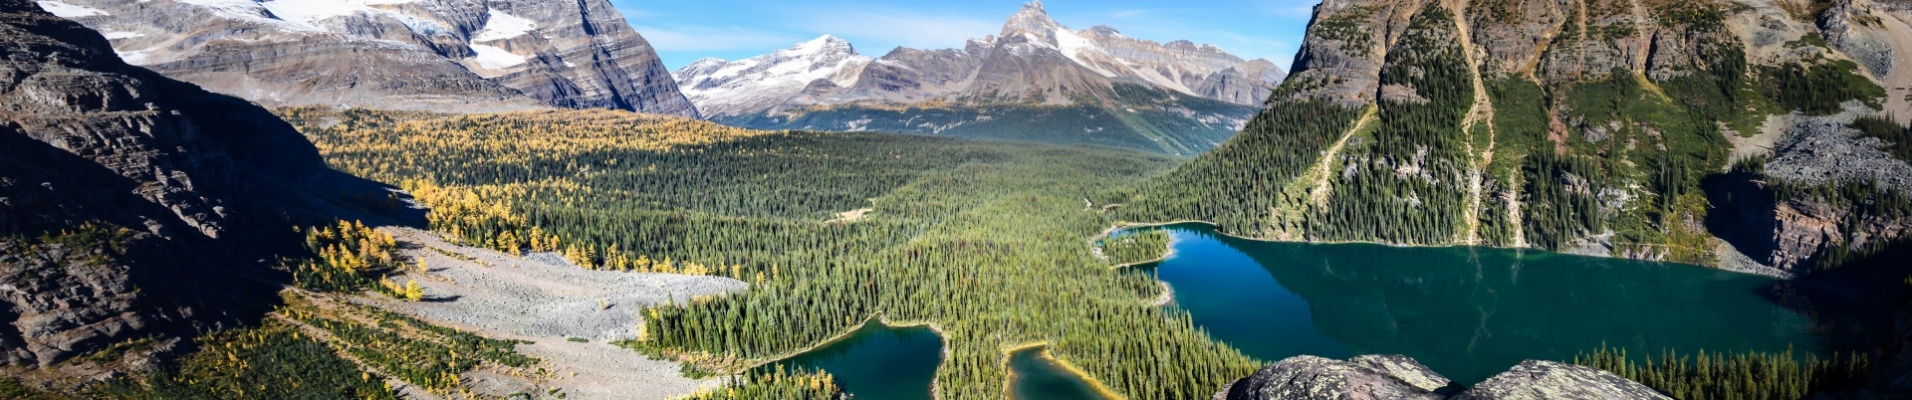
[
  {"x": 881, "y": 318},
  {"x": 1470, "y": 310},
  {"x": 1217, "y": 228},
  {"x": 1043, "y": 347}
]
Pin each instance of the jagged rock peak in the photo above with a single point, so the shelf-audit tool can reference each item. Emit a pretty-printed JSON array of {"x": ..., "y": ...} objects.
[
  {"x": 1031, "y": 20},
  {"x": 1035, "y": 6}
]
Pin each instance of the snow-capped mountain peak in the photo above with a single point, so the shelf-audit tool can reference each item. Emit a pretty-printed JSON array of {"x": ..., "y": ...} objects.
[
  {"x": 732, "y": 87},
  {"x": 1032, "y": 22},
  {"x": 1033, "y": 59},
  {"x": 824, "y": 44}
]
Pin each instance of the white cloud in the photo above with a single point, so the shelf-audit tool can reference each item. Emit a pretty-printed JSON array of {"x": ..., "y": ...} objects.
[
  {"x": 902, "y": 28},
  {"x": 679, "y": 38}
]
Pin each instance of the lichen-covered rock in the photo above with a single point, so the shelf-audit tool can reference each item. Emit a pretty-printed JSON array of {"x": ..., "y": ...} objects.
[
  {"x": 1399, "y": 377},
  {"x": 1366, "y": 377},
  {"x": 1547, "y": 380}
]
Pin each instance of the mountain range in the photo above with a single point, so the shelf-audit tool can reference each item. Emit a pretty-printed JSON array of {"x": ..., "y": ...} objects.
[
  {"x": 442, "y": 55},
  {"x": 1754, "y": 135},
  {"x": 1178, "y": 97}
]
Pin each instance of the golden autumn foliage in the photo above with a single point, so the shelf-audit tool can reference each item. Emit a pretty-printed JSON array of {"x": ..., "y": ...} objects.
[{"x": 986, "y": 240}]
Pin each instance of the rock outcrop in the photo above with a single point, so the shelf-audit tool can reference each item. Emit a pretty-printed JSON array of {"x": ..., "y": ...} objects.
[
  {"x": 1547, "y": 380},
  {"x": 412, "y": 54},
  {"x": 1365, "y": 377},
  {"x": 131, "y": 205},
  {"x": 1399, "y": 377}
]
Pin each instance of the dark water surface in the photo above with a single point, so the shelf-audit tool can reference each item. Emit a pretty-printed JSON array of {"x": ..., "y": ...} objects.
[
  {"x": 1468, "y": 313},
  {"x": 878, "y": 361},
  {"x": 1041, "y": 378}
]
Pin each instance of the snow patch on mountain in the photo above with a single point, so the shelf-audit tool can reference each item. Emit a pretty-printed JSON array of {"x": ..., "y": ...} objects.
[
  {"x": 495, "y": 58},
  {"x": 1073, "y": 46},
  {"x": 69, "y": 11},
  {"x": 501, "y": 26}
]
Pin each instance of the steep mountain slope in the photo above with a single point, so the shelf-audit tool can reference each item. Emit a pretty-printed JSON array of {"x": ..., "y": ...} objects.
[
  {"x": 1178, "y": 98},
  {"x": 132, "y": 205},
  {"x": 406, "y": 54},
  {"x": 1601, "y": 127}
]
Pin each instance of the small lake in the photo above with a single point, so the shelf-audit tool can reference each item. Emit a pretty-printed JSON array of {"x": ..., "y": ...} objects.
[
  {"x": 877, "y": 361},
  {"x": 1039, "y": 377},
  {"x": 1468, "y": 313}
]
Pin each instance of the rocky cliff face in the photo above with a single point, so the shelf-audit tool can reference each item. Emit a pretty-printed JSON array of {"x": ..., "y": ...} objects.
[
  {"x": 1398, "y": 377},
  {"x": 1033, "y": 62},
  {"x": 131, "y": 205},
  {"x": 1602, "y": 127},
  {"x": 418, "y": 54}
]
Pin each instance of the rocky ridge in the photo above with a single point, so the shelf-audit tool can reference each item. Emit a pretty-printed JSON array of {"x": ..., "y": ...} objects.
[
  {"x": 411, "y": 54},
  {"x": 1400, "y": 377},
  {"x": 132, "y": 205}
]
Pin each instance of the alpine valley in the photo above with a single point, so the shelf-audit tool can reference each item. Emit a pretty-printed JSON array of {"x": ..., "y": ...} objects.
[
  {"x": 1036, "y": 80},
  {"x": 514, "y": 199}
]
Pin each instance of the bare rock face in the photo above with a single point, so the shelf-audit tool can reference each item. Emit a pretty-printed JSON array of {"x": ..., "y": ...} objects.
[
  {"x": 1245, "y": 83},
  {"x": 1341, "y": 58},
  {"x": 442, "y": 55},
  {"x": 131, "y": 205},
  {"x": 1855, "y": 28},
  {"x": 1365, "y": 377},
  {"x": 1547, "y": 380},
  {"x": 1509, "y": 35},
  {"x": 1400, "y": 377}
]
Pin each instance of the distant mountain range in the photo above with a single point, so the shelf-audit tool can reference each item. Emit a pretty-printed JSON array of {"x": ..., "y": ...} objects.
[
  {"x": 443, "y": 55},
  {"x": 1178, "y": 97}
]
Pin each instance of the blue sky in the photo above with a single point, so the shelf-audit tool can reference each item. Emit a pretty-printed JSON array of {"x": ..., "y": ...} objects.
[{"x": 684, "y": 31}]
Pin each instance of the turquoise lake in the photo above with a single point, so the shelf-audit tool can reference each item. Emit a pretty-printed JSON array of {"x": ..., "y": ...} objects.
[
  {"x": 1468, "y": 313},
  {"x": 1041, "y": 378},
  {"x": 877, "y": 361}
]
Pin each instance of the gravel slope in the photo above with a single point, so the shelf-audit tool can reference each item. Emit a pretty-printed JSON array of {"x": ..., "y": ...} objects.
[{"x": 542, "y": 298}]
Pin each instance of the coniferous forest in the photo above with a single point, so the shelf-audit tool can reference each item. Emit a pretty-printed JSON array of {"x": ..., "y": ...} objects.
[
  {"x": 1650, "y": 132},
  {"x": 983, "y": 240}
]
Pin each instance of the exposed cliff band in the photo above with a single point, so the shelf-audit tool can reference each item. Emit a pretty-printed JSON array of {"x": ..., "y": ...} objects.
[{"x": 412, "y": 55}]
